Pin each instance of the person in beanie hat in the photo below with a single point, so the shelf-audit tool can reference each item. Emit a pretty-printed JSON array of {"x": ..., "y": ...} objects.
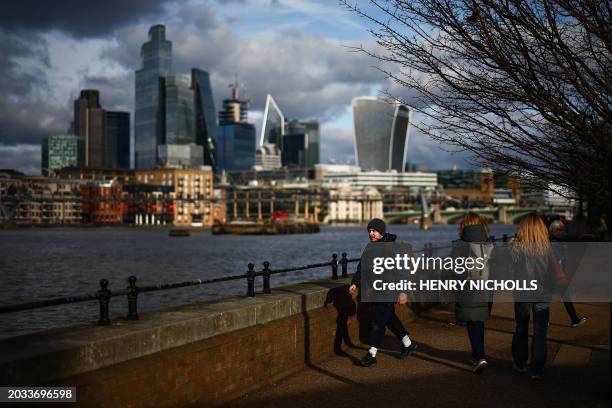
[{"x": 384, "y": 312}]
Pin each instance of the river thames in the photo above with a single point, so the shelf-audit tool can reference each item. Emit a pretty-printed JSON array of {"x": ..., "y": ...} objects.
[{"x": 39, "y": 264}]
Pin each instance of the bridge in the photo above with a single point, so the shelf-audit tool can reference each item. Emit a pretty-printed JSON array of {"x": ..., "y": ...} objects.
[{"x": 503, "y": 215}]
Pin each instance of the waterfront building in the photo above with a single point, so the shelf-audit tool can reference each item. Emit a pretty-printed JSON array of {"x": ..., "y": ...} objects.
[
  {"x": 103, "y": 203},
  {"x": 39, "y": 200},
  {"x": 385, "y": 180},
  {"x": 268, "y": 157},
  {"x": 89, "y": 125},
  {"x": 117, "y": 140},
  {"x": 348, "y": 205},
  {"x": 381, "y": 134},
  {"x": 59, "y": 151},
  {"x": 273, "y": 125},
  {"x": 102, "y": 174},
  {"x": 190, "y": 195}
]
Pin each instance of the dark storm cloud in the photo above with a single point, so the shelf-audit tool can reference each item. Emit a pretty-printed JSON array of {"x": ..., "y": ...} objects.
[{"x": 77, "y": 17}]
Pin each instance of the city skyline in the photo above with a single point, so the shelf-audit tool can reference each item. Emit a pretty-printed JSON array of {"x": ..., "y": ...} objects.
[{"x": 294, "y": 50}]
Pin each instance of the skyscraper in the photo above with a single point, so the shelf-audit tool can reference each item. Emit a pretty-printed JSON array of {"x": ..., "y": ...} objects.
[
  {"x": 89, "y": 125},
  {"x": 59, "y": 151},
  {"x": 235, "y": 144},
  {"x": 381, "y": 138},
  {"x": 156, "y": 55},
  {"x": 303, "y": 136},
  {"x": 273, "y": 125},
  {"x": 117, "y": 140},
  {"x": 205, "y": 114}
]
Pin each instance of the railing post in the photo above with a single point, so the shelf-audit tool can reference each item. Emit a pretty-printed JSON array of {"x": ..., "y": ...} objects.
[
  {"x": 492, "y": 238},
  {"x": 334, "y": 266},
  {"x": 505, "y": 238},
  {"x": 104, "y": 296},
  {"x": 132, "y": 296},
  {"x": 344, "y": 263},
  {"x": 266, "y": 277},
  {"x": 251, "y": 280}
]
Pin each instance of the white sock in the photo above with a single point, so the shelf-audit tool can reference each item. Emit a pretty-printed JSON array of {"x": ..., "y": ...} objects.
[
  {"x": 406, "y": 340},
  {"x": 373, "y": 351}
]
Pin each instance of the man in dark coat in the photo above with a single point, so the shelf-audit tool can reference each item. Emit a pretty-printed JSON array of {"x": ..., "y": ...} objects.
[{"x": 384, "y": 312}]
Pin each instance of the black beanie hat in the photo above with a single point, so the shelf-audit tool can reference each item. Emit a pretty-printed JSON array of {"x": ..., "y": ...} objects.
[{"x": 378, "y": 225}]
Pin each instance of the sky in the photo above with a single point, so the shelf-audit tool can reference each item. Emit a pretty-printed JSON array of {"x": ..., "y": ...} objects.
[{"x": 297, "y": 50}]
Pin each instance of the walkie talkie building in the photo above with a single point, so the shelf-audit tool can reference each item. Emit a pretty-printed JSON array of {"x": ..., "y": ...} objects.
[{"x": 381, "y": 134}]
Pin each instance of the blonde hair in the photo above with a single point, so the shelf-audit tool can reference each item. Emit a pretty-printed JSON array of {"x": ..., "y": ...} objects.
[
  {"x": 471, "y": 218},
  {"x": 533, "y": 236}
]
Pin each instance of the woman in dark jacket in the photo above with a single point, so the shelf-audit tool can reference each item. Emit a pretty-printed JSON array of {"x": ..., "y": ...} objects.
[
  {"x": 531, "y": 260},
  {"x": 472, "y": 307}
]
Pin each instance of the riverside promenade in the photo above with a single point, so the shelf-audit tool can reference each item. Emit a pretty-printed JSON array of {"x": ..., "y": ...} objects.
[{"x": 437, "y": 373}]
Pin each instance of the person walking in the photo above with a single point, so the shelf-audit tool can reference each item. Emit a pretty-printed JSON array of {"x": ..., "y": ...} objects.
[
  {"x": 471, "y": 306},
  {"x": 532, "y": 259},
  {"x": 558, "y": 235},
  {"x": 384, "y": 312}
]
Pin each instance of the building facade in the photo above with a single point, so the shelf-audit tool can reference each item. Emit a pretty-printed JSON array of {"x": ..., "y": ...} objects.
[
  {"x": 385, "y": 180},
  {"x": 381, "y": 134},
  {"x": 156, "y": 57},
  {"x": 89, "y": 125},
  {"x": 189, "y": 195},
  {"x": 117, "y": 140},
  {"x": 348, "y": 205},
  {"x": 61, "y": 151},
  {"x": 268, "y": 157}
]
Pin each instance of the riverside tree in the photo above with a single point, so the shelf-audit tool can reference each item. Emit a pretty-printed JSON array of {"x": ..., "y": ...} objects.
[{"x": 523, "y": 85}]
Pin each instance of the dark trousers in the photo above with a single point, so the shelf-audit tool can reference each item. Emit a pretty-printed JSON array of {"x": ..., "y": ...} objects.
[
  {"x": 384, "y": 316},
  {"x": 476, "y": 334},
  {"x": 541, "y": 317},
  {"x": 569, "y": 307}
]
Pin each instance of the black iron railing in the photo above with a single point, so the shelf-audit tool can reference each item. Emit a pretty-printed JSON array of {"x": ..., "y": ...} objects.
[{"x": 104, "y": 294}]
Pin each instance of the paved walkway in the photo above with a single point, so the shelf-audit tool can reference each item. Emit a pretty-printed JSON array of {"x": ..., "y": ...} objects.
[{"x": 437, "y": 375}]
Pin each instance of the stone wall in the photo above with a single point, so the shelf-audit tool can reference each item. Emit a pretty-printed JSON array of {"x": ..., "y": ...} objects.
[{"x": 197, "y": 355}]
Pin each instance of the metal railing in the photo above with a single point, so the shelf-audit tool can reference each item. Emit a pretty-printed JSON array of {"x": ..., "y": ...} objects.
[{"x": 104, "y": 294}]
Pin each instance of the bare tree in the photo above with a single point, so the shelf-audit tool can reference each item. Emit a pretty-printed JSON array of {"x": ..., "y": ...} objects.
[{"x": 524, "y": 85}]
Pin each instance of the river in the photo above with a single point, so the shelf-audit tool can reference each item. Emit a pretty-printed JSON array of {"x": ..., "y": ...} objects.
[{"x": 38, "y": 264}]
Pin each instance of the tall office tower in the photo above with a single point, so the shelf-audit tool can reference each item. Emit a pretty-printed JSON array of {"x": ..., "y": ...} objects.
[
  {"x": 156, "y": 57},
  {"x": 176, "y": 124},
  {"x": 273, "y": 125},
  {"x": 205, "y": 114},
  {"x": 117, "y": 140},
  {"x": 235, "y": 144},
  {"x": 89, "y": 125},
  {"x": 306, "y": 135},
  {"x": 381, "y": 134},
  {"x": 234, "y": 110},
  {"x": 59, "y": 151}
]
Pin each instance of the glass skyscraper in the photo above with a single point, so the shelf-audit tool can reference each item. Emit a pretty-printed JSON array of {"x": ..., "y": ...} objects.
[
  {"x": 156, "y": 57},
  {"x": 205, "y": 114},
  {"x": 89, "y": 125},
  {"x": 236, "y": 147},
  {"x": 381, "y": 134},
  {"x": 117, "y": 140},
  {"x": 305, "y": 134},
  {"x": 61, "y": 151}
]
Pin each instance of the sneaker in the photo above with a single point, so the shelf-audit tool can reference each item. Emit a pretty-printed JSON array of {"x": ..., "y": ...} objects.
[
  {"x": 367, "y": 360},
  {"x": 407, "y": 350},
  {"x": 480, "y": 366},
  {"x": 579, "y": 322},
  {"x": 519, "y": 369},
  {"x": 537, "y": 377}
]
